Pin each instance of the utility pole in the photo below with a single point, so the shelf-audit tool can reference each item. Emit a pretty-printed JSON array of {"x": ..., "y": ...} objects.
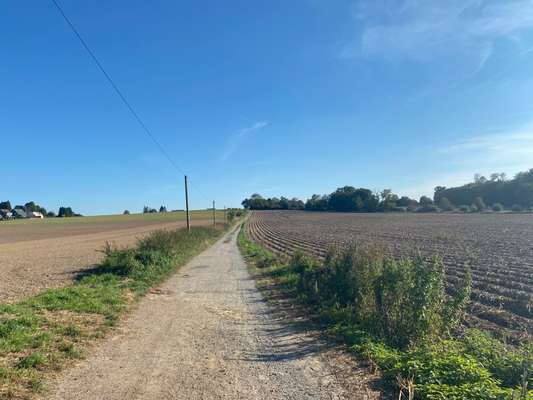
[
  {"x": 187, "y": 205},
  {"x": 214, "y": 214}
]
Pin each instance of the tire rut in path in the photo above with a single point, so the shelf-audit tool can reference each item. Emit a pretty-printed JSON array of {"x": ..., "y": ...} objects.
[{"x": 207, "y": 334}]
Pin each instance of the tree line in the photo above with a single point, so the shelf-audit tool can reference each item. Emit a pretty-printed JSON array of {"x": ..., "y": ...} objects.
[
  {"x": 31, "y": 206},
  {"x": 347, "y": 199},
  {"x": 497, "y": 190},
  {"x": 150, "y": 210},
  {"x": 495, "y": 194},
  {"x": 257, "y": 202}
]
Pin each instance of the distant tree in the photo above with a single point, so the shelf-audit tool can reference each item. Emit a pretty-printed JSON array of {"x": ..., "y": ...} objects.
[
  {"x": 385, "y": 193},
  {"x": 498, "y": 189},
  {"x": 437, "y": 192},
  {"x": 153, "y": 211},
  {"x": 525, "y": 176},
  {"x": 344, "y": 199},
  {"x": 32, "y": 207},
  {"x": 5, "y": 205},
  {"x": 126, "y": 212},
  {"x": 273, "y": 203},
  {"x": 516, "y": 208},
  {"x": 50, "y": 214},
  {"x": 405, "y": 201},
  {"x": 428, "y": 208},
  {"x": 255, "y": 202},
  {"x": 146, "y": 210},
  {"x": 445, "y": 204},
  {"x": 65, "y": 212},
  {"x": 497, "y": 207},
  {"x": 388, "y": 200},
  {"x": 359, "y": 203},
  {"x": 296, "y": 204},
  {"x": 425, "y": 201},
  {"x": 317, "y": 203},
  {"x": 479, "y": 203},
  {"x": 162, "y": 209},
  {"x": 427, "y": 205}
]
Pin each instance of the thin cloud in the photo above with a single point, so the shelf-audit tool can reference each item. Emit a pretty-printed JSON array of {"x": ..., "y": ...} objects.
[
  {"x": 509, "y": 151},
  {"x": 425, "y": 31},
  {"x": 236, "y": 139},
  {"x": 504, "y": 145}
]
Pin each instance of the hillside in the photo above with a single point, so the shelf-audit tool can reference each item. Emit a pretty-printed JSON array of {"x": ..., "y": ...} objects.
[{"x": 515, "y": 193}]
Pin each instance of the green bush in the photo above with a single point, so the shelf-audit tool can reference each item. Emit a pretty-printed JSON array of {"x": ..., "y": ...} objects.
[
  {"x": 377, "y": 305},
  {"x": 233, "y": 213},
  {"x": 497, "y": 207},
  {"x": 516, "y": 208},
  {"x": 479, "y": 203},
  {"x": 445, "y": 204},
  {"x": 399, "y": 209},
  {"x": 429, "y": 208},
  {"x": 32, "y": 337},
  {"x": 464, "y": 208},
  {"x": 402, "y": 301}
]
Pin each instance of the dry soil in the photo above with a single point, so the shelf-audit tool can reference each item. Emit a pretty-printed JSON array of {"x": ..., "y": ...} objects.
[{"x": 57, "y": 253}]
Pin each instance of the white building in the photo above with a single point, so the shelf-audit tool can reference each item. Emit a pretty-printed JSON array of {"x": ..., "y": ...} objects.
[{"x": 34, "y": 214}]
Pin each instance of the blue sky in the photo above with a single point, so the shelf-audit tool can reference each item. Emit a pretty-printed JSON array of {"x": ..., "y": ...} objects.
[{"x": 277, "y": 97}]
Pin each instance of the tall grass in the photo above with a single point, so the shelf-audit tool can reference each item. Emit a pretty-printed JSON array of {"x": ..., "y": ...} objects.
[
  {"x": 396, "y": 315},
  {"x": 42, "y": 333},
  {"x": 402, "y": 301}
]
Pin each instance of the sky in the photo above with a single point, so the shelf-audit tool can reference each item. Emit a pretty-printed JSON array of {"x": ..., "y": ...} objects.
[{"x": 273, "y": 97}]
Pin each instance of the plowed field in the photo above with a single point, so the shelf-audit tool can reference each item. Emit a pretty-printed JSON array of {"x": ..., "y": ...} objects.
[{"x": 497, "y": 247}]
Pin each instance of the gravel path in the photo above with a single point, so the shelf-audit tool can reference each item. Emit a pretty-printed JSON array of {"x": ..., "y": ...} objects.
[
  {"x": 27, "y": 267},
  {"x": 208, "y": 334}
]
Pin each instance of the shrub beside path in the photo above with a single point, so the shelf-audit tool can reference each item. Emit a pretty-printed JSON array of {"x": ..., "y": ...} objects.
[{"x": 207, "y": 333}]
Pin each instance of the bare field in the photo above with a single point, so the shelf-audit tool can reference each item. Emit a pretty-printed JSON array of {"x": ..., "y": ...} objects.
[
  {"x": 40, "y": 254},
  {"x": 498, "y": 248},
  {"x": 36, "y": 229}
]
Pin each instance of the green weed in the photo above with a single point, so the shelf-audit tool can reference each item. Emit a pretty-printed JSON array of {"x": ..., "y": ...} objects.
[
  {"x": 396, "y": 315},
  {"x": 42, "y": 332}
]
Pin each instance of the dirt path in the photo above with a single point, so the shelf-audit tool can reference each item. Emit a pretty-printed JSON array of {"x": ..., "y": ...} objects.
[
  {"x": 207, "y": 334},
  {"x": 28, "y": 267}
]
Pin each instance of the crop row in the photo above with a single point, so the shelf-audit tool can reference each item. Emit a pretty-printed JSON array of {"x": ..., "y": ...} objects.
[{"x": 501, "y": 297}]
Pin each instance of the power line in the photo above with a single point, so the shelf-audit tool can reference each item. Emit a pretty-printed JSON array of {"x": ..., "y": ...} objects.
[
  {"x": 121, "y": 95},
  {"x": 198, "y": 190}
]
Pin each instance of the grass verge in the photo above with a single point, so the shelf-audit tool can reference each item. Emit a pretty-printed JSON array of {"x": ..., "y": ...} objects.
[
  {"x": 41, "y": 334},
  {"x": 415, "y": 364}
]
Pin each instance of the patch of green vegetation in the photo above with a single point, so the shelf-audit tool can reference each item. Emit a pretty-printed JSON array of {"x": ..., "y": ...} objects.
[
  {"x": 395, "y": 315},
  {"x": 42, "y": 332}
]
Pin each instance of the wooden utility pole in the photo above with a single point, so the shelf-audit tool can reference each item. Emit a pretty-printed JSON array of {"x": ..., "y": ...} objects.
[
  {"x": 214, "y": 214},
  {"x": 187, "y": 205}
]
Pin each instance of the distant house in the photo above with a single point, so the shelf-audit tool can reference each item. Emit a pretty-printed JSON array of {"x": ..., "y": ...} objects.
[
  {"x": 19, "y": 213},
  {"x": 34, "y": 214},
  {"x": 5, "y": 214}
]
